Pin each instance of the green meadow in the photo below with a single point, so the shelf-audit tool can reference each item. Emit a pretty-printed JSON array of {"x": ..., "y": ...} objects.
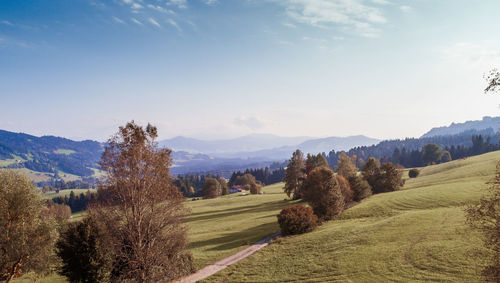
[{"x": 417, "y": 234}]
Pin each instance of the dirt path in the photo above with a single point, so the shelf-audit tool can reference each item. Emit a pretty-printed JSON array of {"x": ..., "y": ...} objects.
[{"x": 225, "y": 262}]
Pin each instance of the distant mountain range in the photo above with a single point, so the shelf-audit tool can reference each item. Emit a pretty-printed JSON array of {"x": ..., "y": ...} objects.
[
  {"x": 264, "y": 146},
  {"x": 457, "y": 128},
  {"x": 49, "y": 154}
]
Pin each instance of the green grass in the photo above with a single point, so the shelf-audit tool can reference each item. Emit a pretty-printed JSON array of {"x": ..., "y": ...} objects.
[
  {"x": 64, "y": 151},
  {"x": 417, "y": 234},
  {"x": 221, "y": 227},
  {"x": 414, "y": 235}
]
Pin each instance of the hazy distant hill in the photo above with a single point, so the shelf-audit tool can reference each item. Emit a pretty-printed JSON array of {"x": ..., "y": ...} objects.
[
  {"x": 252, "y": 142},
  {"x": 457, "y": 128}
]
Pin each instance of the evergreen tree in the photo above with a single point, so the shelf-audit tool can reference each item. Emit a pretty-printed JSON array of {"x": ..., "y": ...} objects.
[{"x": 295, "y": 175}]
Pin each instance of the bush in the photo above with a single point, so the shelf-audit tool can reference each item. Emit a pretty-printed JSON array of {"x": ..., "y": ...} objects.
[
  {"x": 413, "y": 173},
  {"x": 323, "y": 193},
  {"x": 297, "y": 219},
  {"x": 255, "y": 188}
]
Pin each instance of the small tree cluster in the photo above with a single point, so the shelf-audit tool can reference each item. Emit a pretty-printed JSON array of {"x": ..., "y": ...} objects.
[
  {"x": 360, "y": 188},
  {"x": 323, "y": 193},
  {"x": 385, "y": 178},
  {"x": 413, "y": 173},
  {"x": 295, "y": 175},
  {"x": 212, "y": 188},
  {"x": 297, "y": 219},
  {"x": 249, "y": 182}
]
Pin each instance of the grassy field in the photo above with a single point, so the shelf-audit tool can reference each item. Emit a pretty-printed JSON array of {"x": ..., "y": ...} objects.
[{"x": 414, "y": 235}]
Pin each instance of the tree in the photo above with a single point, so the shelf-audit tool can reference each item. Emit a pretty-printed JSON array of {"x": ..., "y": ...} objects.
[
  {"x": 295, "y": 175},
  {"x": 485, "y": 217},
  {"x": 85, "y": 251},
  {"x": 493, "y": 79},
  {"x": 445, "y": 157},
  {"x": 431, "y": 153},
  {"x": 371, "y": 171},
  {"x": 314, "y": 161},
  {"x": 224, "y": 186},
  {"x": 360, "y": 187},
  {"x": 345, "y": 188},
  {"x": 322, "y": 192},
  {"x": 212, "y": 188},
  {"x": 26, "y": 236},
  {"x": 389, "y": 179},
  {"x": 297, "y": 219},
  {"x": 346, "y": 167},
  {"x": 142, "y": 211}
]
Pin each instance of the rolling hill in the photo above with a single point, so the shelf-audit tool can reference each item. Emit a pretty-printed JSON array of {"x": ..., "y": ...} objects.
[{"x": 457, "y": 128}]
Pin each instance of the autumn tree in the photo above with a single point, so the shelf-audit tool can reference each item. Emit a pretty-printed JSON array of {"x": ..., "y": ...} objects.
[
  {"x": 389, "y": 179},
  {"x": 345, "y": 188},
  {"x": 346, "y": 166},
  {"x": 314, "y": 161},
  {"x": 27, "y": 236},
  {"x": 297, "y": 219},
  {"x": 431, "y": 153},
  {"x": 212, "y": 188},
  {"x": 142, "y": 211},
  {"x": 323, "y": 193},
  {"x": 295, "y": 175},
  {"x": 224, "y": 186},
  {"x": 360, "y": 188},
  {"x": 485, "y": 217}
]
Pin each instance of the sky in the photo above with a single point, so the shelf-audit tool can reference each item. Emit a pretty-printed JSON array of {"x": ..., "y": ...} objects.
[{"x": 216, "y": 69}]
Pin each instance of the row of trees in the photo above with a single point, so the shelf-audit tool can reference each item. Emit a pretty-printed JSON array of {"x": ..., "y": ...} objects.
[
  {"x": 132, "y": 231},
  {"x": 266, "y": 175},
  {"x": 76, "y": 202}
]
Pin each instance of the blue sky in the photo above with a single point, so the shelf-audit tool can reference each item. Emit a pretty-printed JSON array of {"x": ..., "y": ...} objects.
[{"x": 225, "y": 68}]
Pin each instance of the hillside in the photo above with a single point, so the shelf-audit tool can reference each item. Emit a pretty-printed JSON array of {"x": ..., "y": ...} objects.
[
  {"x": 417, "y": 234},
  {"x": 457, "y": 128}
]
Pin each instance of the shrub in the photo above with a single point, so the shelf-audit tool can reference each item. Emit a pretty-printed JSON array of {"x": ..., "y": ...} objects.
[
  {"x": 360, "y": 188},
  {"x": 255, "y": 188},
  {"x": 413, "y": 173},
  {"x": 322, "y": 192},
  {"x": 297, "y": 219}
]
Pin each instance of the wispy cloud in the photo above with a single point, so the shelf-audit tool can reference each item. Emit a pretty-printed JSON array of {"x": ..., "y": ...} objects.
[
  {"x": 174, "y": 24},
  {"x": 135, "y": 21},
  {"x": 137, "y": 6},
  {"x": 118, "y": 20},
  {"x": 211, "y": 2},
  {"x": 290, "y": 25},
  {"x": 356, "y": 15},
  {"x": 252, "y": 123},
  {"x": 470, "y": 55},
  {"x": 7, "y": 23},
  {"x": 405, "y": 8},
  {"x": 154, "y": 22},
  {"x": 181, "y": 4}
]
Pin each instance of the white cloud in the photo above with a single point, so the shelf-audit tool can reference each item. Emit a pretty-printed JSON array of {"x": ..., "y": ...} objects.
[
  {"x": 252, "y": 123},
  {"x": 128, "y": 1},
  {"x": 157, "y": 8},
  {"x": 405, "y": 8},
  {"x": 137, "y": 6},
  {"x": 134, "y": 20},
  {"x": 118, "y": 20},
  {"x": 154, "y": 22},
  {"x": 211, "y": 2},
  {"x": 290, "y": 25},
  {"x": 174, "y": 24},
  {"x": 181, "y": 4},
  {"x": 353, "y": 15}
]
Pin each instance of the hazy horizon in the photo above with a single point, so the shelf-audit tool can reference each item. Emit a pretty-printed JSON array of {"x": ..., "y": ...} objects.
[{"x": 215, "y": 69}]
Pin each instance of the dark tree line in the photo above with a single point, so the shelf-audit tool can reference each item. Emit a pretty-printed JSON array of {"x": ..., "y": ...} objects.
[
  {"x": 266, "y": 176},
  {"x": 408, "y": 153},
  {"x": 76, "y": 202},
  {"x": 191, "y": 185}
]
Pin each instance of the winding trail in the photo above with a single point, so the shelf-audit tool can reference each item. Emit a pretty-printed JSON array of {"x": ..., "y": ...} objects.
[{"x": 225, "y": 262}]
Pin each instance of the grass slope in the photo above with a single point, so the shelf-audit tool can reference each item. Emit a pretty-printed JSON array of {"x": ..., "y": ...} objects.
[{"x": 414, "y": 235}]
